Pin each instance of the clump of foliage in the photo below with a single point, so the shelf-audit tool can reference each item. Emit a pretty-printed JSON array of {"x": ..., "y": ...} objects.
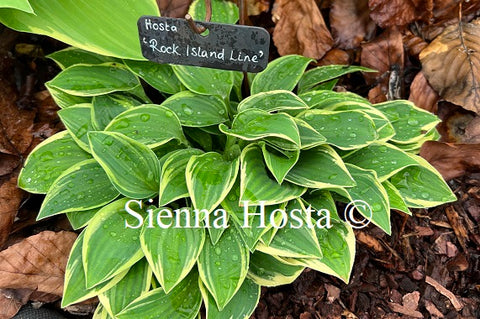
[
  {"x": 205, "y": 148},
  {"x": 201, "y": 145}
]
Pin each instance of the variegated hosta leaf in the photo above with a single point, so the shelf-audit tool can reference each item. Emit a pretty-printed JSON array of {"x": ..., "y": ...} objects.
[
  {"x": 22, "y": 5},
  {"x": 205, "y": 81},
  {"x": 106, "y": 107},
  {"x": 281, "y": 74},
  {"x": 309, "y": 137},
  {"x": 172, "y": 252},
  {"x": 422, "y": 186},
  {"x": 92, "y": 80},
  {"x": 395, "y": 198},
  {"x": 64, "y": 100},
  {"x": 131, "y": 166},
  {"x": 279, "y": 162},
  {"x": 149, "y": 124},
  {"x": 173, "y": 184},
  {"x": 242, "y": 304},
  {"x": 195, "y": 110},
  {"x": 255, "y": 124},
  {"x": 222, "y": 11},
  {"x": 327, "y": 99},
  {"x": 320, "y": 167},
  {"x": 48, "y": 160},
  {"x": 79, "y": 219},
  {"x": 251, "y": 229},
  {"x": 295, "y": 236},
  {"x": 384, "y": 128},
  {"x": 83, "y": 186},
  {"x": 72, "y": 55},
  {"x": 344, "y": 129},
  {"x": 338, "y": 246},
  {"x": 75, "y": 288},
  {"x": 159, "y": 76},
  {"x": 55, "y": 19},
  {"x": 325, "y": 73},
  {"x": 374, "y": 196},
  {"x": 409, "y": 121},
  {"x": 277, "y": 100},
  {"x": 268, "y": 271},
  {"x": 136, "y": 282},
  {"x": 322, "y": 200},
  {"x": 78, "y": 121},
  {"x": 111, "y": 244},
  {"x": 183, "y": 302},
  {"x": 223, "y": 266},
  {"x": 255, "y": 184},
  {"x": 385, "y": 159},
  {"x": 209, "y": 179}
]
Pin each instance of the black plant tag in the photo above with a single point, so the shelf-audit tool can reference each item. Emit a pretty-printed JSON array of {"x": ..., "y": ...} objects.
[{"x": 226, "y": 46}]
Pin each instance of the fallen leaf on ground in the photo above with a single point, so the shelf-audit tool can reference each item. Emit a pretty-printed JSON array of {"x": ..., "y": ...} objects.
[
  {"x": 37, "y": 262},
  {"x": 335, "y": 56},
  {"x": 301, "y": 29},
  {"x": 255, "y": 7},
  {"x": 8, "y": 163},
  {"x": 452, "y": 160},
  {"x": 451, "y": 63},
  {"x": 10, "y": 200},
  {"x": 457, "y": 304},
  {"x": 17, "y": 124},
  {"x": 384, "y": 54},
  {"x": 388, "y": 13},
  {"x": 9, "y": 304},
  {"x": 422, "y": 94},
  {"x": 413, "y": 43},
  {"x": 350, "y": 23},
  {"x": 173, "y": 8}
]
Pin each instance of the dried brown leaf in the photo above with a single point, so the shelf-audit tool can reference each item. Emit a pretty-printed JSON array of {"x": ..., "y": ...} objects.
[
  {"x": 387, "y": 13},
  {"x": 335, "y": 56},
  {"x": 413, "y": 43},
  {"x": 351, "y": 23},
  {"x": 10, "y": 199},
  {"x": 255, "y": 7},
  {"x": 451, "y": 63},
  {"x": 173, "y": 8},
  {"x": 384, "y": 54},
  {"x": 17, "y": 124},
  {"x": 378, "y": 94},
  {"x": 9, "y": 305},
  {"x": 301, "y": 29},
  {"x": 452, "y": 160},
  {"x": 37, "y": 262},
  {"x": 8, "y": 163},
  {"x": 422, "y": 94}
]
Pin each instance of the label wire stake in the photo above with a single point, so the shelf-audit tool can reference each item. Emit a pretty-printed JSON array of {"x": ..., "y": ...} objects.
[{"x": 208, "y": 17}]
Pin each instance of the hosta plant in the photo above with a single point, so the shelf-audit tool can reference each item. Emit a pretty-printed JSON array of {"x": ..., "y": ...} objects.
[{"x": 202, "y": 195}]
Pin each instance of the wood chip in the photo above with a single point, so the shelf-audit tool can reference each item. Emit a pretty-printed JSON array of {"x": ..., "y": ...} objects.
[
  {"x": 457, "y": 304},
  {"x": 457, "y": 226}
]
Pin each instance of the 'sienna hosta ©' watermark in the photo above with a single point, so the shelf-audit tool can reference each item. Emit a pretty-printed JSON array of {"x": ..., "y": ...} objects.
[
  {"x": 358, "y": 205},
  {"x": 277, "y": 218}
]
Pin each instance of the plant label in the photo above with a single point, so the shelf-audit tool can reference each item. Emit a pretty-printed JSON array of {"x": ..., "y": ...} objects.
[{"x": 221, "y": 46}]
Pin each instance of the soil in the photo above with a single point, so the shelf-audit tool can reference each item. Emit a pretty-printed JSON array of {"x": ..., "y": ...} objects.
[{"x": 428, "y": 267}]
